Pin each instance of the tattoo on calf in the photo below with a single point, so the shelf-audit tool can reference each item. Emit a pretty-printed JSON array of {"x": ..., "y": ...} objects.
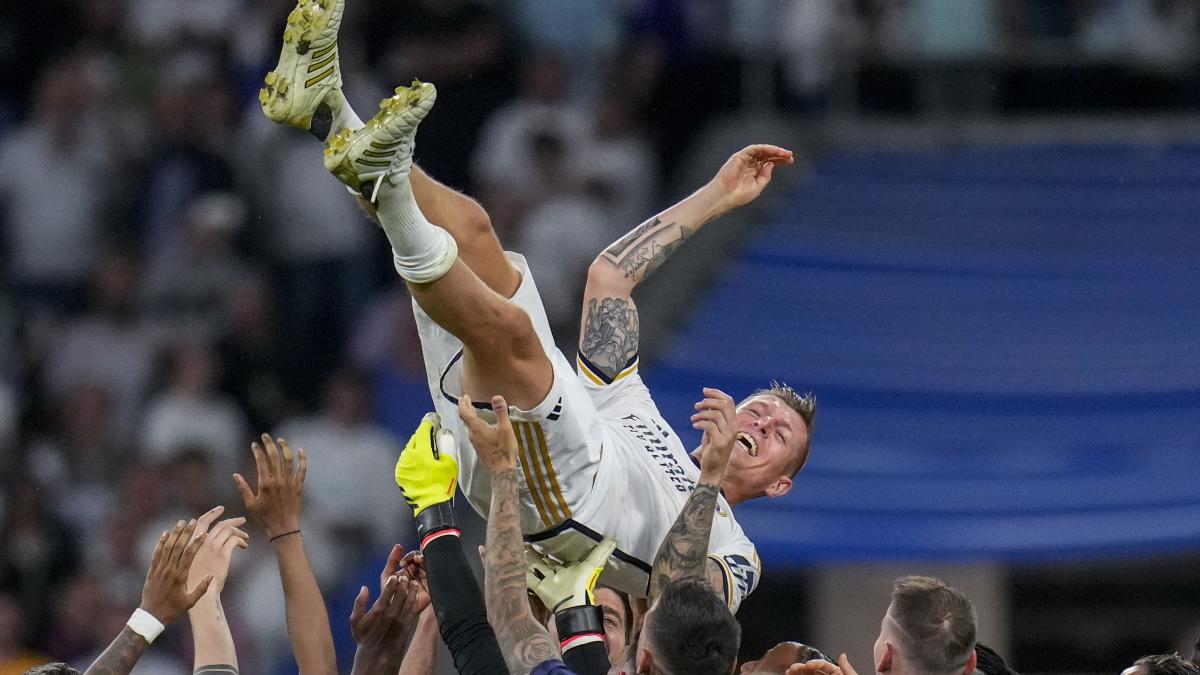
[{"x": 610, "y": 334}]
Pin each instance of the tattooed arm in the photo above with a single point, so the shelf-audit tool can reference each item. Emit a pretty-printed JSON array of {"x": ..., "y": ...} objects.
[
  {"x": 684, "y": 551},
  {"x": 608, "y": 336},
  {"x": 164, "y": 597},
  {"x": 121, "y": 655},
  {"x": 524, "y": 642}
]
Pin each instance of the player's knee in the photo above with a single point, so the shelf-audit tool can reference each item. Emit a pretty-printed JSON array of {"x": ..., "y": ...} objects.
[
  {"x": 477, "y": 226},
  {"x": 508, "y": 333}
]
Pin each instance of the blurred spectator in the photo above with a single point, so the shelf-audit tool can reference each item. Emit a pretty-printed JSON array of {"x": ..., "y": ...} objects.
[
  {"x": 584, "y": 32},
  {"x": 251, "y": 354},
  {"x": 79, "y": 462},
  {"x": 559, "y": 239},
  {"x": 38, "y": 555},
  {"x": 1151, "y": 33},
  {"x": 15, "y": 655},
  {"x": 193, "y": 413},
  {"x": 620, "y": 161},
  {"x": 465, "y": 47},
  {"x": 52, "y": 236},
  {"x": 189, "y": 282},
  {"x": 347, "y": 455},
  {"x": 528, "y": 148},
  {"x": 385, "y": 344},
  {"x": 109, "y": 346},
  {"x": 31, "y": 34},
  {"x": 113, "y": 555},
  {"x": 161, "y": 24},
  {"x": 814, "y": 37},
  {"x": 318, "y": 240},
  {"x": 193, "y": 124}
]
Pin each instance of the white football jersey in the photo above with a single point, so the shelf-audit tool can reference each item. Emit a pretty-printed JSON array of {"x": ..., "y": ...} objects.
[{"x": 596, "y": 459}]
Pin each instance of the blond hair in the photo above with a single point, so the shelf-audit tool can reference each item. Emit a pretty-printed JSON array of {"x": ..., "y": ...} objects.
[{"x": 805, "y": 406}]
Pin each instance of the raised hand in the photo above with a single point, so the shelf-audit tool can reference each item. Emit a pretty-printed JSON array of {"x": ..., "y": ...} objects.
[
  {"x": 496, "y": 444},
  {"x": 411, "y": 565},
  {"x": 744, "y": 175},
  {"x": 217, "y": 550},
  {"x": 382, "y": 631},
  {"x": 716, "y": 416},
  {"x": 165, "y": 595},
  {"x": 276, "y": 507}
]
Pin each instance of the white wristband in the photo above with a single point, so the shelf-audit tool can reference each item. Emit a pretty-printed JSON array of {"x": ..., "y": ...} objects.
[{"x": 143, "y": 623}]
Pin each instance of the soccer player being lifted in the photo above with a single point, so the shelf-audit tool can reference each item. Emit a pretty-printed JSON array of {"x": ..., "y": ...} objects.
[{"x": 596, "y": 456}]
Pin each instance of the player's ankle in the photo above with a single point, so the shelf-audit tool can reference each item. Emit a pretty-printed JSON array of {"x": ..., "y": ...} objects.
[
  {"x": 431, "y": 264},
  {"x": 332, "y": 115}
]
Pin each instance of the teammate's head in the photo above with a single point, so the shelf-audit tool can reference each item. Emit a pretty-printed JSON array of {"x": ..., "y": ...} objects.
[
  {"x": 774, "y": 430},
  {"x": 1162, "y": 664},
  {"x": 929, "y": 629},
  {"x": 689, "y": 630}
]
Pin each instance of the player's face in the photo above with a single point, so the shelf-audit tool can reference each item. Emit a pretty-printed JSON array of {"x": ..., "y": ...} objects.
[
  {"x": 613, "y": 607},
  {"x": 770, "y": 434}
]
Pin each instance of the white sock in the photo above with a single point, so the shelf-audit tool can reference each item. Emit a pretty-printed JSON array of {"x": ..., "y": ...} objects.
[
  {"x": 421, "y": 251},
  {"x": 344, "y": 116}
]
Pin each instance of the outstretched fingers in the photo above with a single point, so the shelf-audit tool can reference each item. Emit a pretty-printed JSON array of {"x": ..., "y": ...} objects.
[{"x": 274, "y": 458}]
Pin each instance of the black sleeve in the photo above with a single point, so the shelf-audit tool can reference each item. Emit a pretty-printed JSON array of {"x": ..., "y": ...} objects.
[
  {"x": 459, "y": 606},
  {"x": 581, "y": 630}
]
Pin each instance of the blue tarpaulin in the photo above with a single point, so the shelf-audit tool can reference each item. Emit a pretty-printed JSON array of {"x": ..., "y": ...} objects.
[{"x": 1004, "y": 344}]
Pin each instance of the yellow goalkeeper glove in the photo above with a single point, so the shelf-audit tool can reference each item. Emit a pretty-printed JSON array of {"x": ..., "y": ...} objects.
[
  {"x": 427, "y": 470},
  {"x": 559, "y": 585}
]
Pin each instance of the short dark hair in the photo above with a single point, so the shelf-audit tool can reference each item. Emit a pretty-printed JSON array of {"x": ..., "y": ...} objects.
[
  {"x": 937, "y": 624},
  {"x": 805, "y": 406},
  {"x": 693, "y": 631},
  {"x": 1166, "y": 664},
  {"x": 52, "y": 669}
]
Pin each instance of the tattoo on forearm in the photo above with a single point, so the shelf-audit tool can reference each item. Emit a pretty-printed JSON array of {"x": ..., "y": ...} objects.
[
  {"x": 610, "y": 334},
  {"x": 524, "y": 642},
  {"x": 684, "y": 550},
  {"x": 642, "y": 251},
  {"x": 216, "y": 669},
  {"x": 121, "y": 655}
]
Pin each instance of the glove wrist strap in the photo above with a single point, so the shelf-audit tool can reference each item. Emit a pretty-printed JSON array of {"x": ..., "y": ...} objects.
[
  {"x": 435, "y": 519},
  {"x": 581, "y": 620}
]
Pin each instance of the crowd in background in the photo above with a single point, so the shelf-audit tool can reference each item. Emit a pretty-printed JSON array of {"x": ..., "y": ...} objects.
[{"x": 177, "y": 274}]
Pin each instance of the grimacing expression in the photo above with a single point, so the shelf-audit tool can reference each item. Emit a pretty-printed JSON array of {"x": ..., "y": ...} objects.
[{"x": 770, "y": 434}]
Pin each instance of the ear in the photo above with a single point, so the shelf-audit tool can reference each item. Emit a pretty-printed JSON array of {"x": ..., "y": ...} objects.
[
  {"x": 885, "y": 661},
  {"x": 780, "y": 487},
  {"x": 972, "y": 661},
  {"x": 645, "y": 662}
]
